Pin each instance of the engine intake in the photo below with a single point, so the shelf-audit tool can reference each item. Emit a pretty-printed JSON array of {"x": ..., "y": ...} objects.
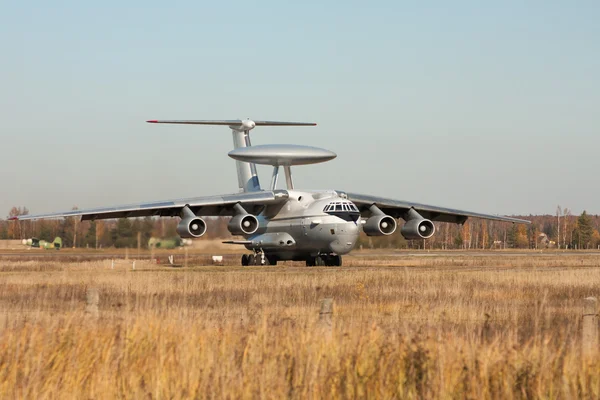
[
  {"x": 380, "y": 225},
  {"x": 243, "y": 224},
  {"x": 191, "y": 227},
  {"x": 418, "y": 229}
]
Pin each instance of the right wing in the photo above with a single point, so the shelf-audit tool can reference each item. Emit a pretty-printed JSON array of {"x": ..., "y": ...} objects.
[
  {"x": 399, "y": 209},
  {"x": 253, "y": 202}
]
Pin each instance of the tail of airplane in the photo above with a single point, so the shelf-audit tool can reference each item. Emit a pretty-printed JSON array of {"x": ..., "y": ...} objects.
[{"x": 240, "y": 129}]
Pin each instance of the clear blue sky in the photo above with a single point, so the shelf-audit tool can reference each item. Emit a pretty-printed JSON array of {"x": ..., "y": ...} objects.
[{"x": 490, "y": 107}]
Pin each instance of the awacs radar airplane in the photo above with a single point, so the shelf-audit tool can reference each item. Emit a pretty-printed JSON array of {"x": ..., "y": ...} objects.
[{"x": 317, "y": 227}]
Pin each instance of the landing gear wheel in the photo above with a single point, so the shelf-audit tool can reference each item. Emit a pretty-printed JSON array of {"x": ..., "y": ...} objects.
[
  {"x": 311, "y": 261},
  {"x": 271, "y": 260},
  {"x": 251, "y": 259},
  {"x": 245, "y": 260},
  {"x": 320, "y": 261},
  {"x": 337, "y": 261}
]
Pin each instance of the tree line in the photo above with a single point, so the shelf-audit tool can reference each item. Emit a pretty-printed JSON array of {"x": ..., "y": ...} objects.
[{"x": 562, "y": 230}]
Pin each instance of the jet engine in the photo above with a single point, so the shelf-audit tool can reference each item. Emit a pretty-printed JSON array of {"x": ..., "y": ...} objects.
[
  {"x": 379, "y": 225},
  {"x": 243, "y": 224},
  {"x": 418, "y": 229},
  {"x": 191, "y": 227}
]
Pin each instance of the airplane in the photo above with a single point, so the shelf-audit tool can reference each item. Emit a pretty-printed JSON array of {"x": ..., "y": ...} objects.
[{"x": 317, "y": 227}]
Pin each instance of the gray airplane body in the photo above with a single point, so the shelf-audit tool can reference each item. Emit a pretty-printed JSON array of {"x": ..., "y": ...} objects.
[{"x": 317, "y": 227}]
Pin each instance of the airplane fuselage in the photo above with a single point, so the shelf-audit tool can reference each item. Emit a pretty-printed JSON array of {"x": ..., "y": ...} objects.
[{"x": 301, "y": 227}]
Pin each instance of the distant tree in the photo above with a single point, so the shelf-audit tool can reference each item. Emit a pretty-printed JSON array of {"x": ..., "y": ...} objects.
[
  {"x": 511, "y": 239},
  {"x": 484, "y": 234},
  {"x": 466, "y": 235},
  {"x": 146, "y": 229},
  {"x": 567, "y": 227},
  {"x": 90, "y": 236},
  {"x": 518, "y": 237},
  {"x": 170, "y": 228},
  {"x": 458, "y": 239},
  {"x": 104, "y": 233},
  {"x": 122, "y": 234},
  {"x": 3, "y": 230},
  {"x": 16, "y": 229},
  {"x": 558, "y": 212},
  {"x": 68, "y": 230},
  {"x": 532, "y": 236},
  {"x": 595, "y": 239},
  {"x": 582, "y": 236},
  {"x": 45, "y": 231},
  {"x": 522, "y": 240},
  {"x": 75, "y": 226}
]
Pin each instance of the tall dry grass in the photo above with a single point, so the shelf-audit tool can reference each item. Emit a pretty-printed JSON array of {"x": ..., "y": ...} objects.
[{"x": 427, "y": 327}]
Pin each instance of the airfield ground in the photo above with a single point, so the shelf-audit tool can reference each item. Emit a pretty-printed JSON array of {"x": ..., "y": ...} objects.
[{"x": 404, "y": 325}]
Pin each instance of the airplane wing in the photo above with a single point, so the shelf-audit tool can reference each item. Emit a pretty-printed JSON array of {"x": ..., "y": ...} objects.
[
  {"x": 399, "y": 208},
  {"x": 222, "y": 205}
]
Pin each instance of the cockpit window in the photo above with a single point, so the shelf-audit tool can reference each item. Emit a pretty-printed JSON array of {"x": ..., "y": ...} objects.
[
  {"x": 340, "y": 207},
  {"x": 343, "y": 209}
]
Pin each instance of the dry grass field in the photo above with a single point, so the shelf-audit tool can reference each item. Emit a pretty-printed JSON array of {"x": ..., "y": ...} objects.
[{"x": 497, "y": 326}]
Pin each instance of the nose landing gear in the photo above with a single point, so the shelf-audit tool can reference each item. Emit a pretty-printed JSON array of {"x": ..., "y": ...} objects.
[{"x": 258, "y": 258}]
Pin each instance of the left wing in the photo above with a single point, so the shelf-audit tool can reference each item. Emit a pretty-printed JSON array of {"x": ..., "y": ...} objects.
[
  {"x": 253, "y": 202},
  {"x": 399, "y": 208}
]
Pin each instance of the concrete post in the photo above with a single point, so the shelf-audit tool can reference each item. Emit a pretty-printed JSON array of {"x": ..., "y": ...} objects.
[
  {"x": 590, "y": 326},
  {"x": 139, "y": 244},
  {"x": 92, "y": 300},
  {"x": 326, "y": 316}
]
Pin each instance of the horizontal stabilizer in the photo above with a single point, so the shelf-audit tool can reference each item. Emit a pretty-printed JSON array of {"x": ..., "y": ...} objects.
[{"x": 231, "y": 122}]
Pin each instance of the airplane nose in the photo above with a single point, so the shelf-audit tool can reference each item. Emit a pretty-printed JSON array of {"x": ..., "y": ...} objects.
[{"x": 345, "y": 239}]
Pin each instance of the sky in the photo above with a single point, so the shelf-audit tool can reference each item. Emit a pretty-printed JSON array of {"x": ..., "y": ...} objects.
[{"x": 484, "y": 106}]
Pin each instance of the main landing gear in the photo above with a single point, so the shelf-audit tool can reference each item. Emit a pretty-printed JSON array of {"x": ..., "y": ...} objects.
[
  {"x": 259, "y": 258},
  {"x": 324, "y": 260}
]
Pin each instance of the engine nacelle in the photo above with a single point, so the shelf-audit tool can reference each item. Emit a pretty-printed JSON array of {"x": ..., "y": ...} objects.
[
  {"x": 418, "y": 229},
  {"x": 243, "y": 224},
  {"x": 191, "y": 227},
  {"x": 379, "y": 225}
]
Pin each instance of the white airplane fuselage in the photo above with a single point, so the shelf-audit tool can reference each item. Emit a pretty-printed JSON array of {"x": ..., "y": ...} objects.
[{"x": 300, "y": 227}]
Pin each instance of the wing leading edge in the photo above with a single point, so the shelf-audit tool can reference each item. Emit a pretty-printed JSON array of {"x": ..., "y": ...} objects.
[
  {"x": 222, "y": 205},
  {"x": 399, "y": 208}
]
